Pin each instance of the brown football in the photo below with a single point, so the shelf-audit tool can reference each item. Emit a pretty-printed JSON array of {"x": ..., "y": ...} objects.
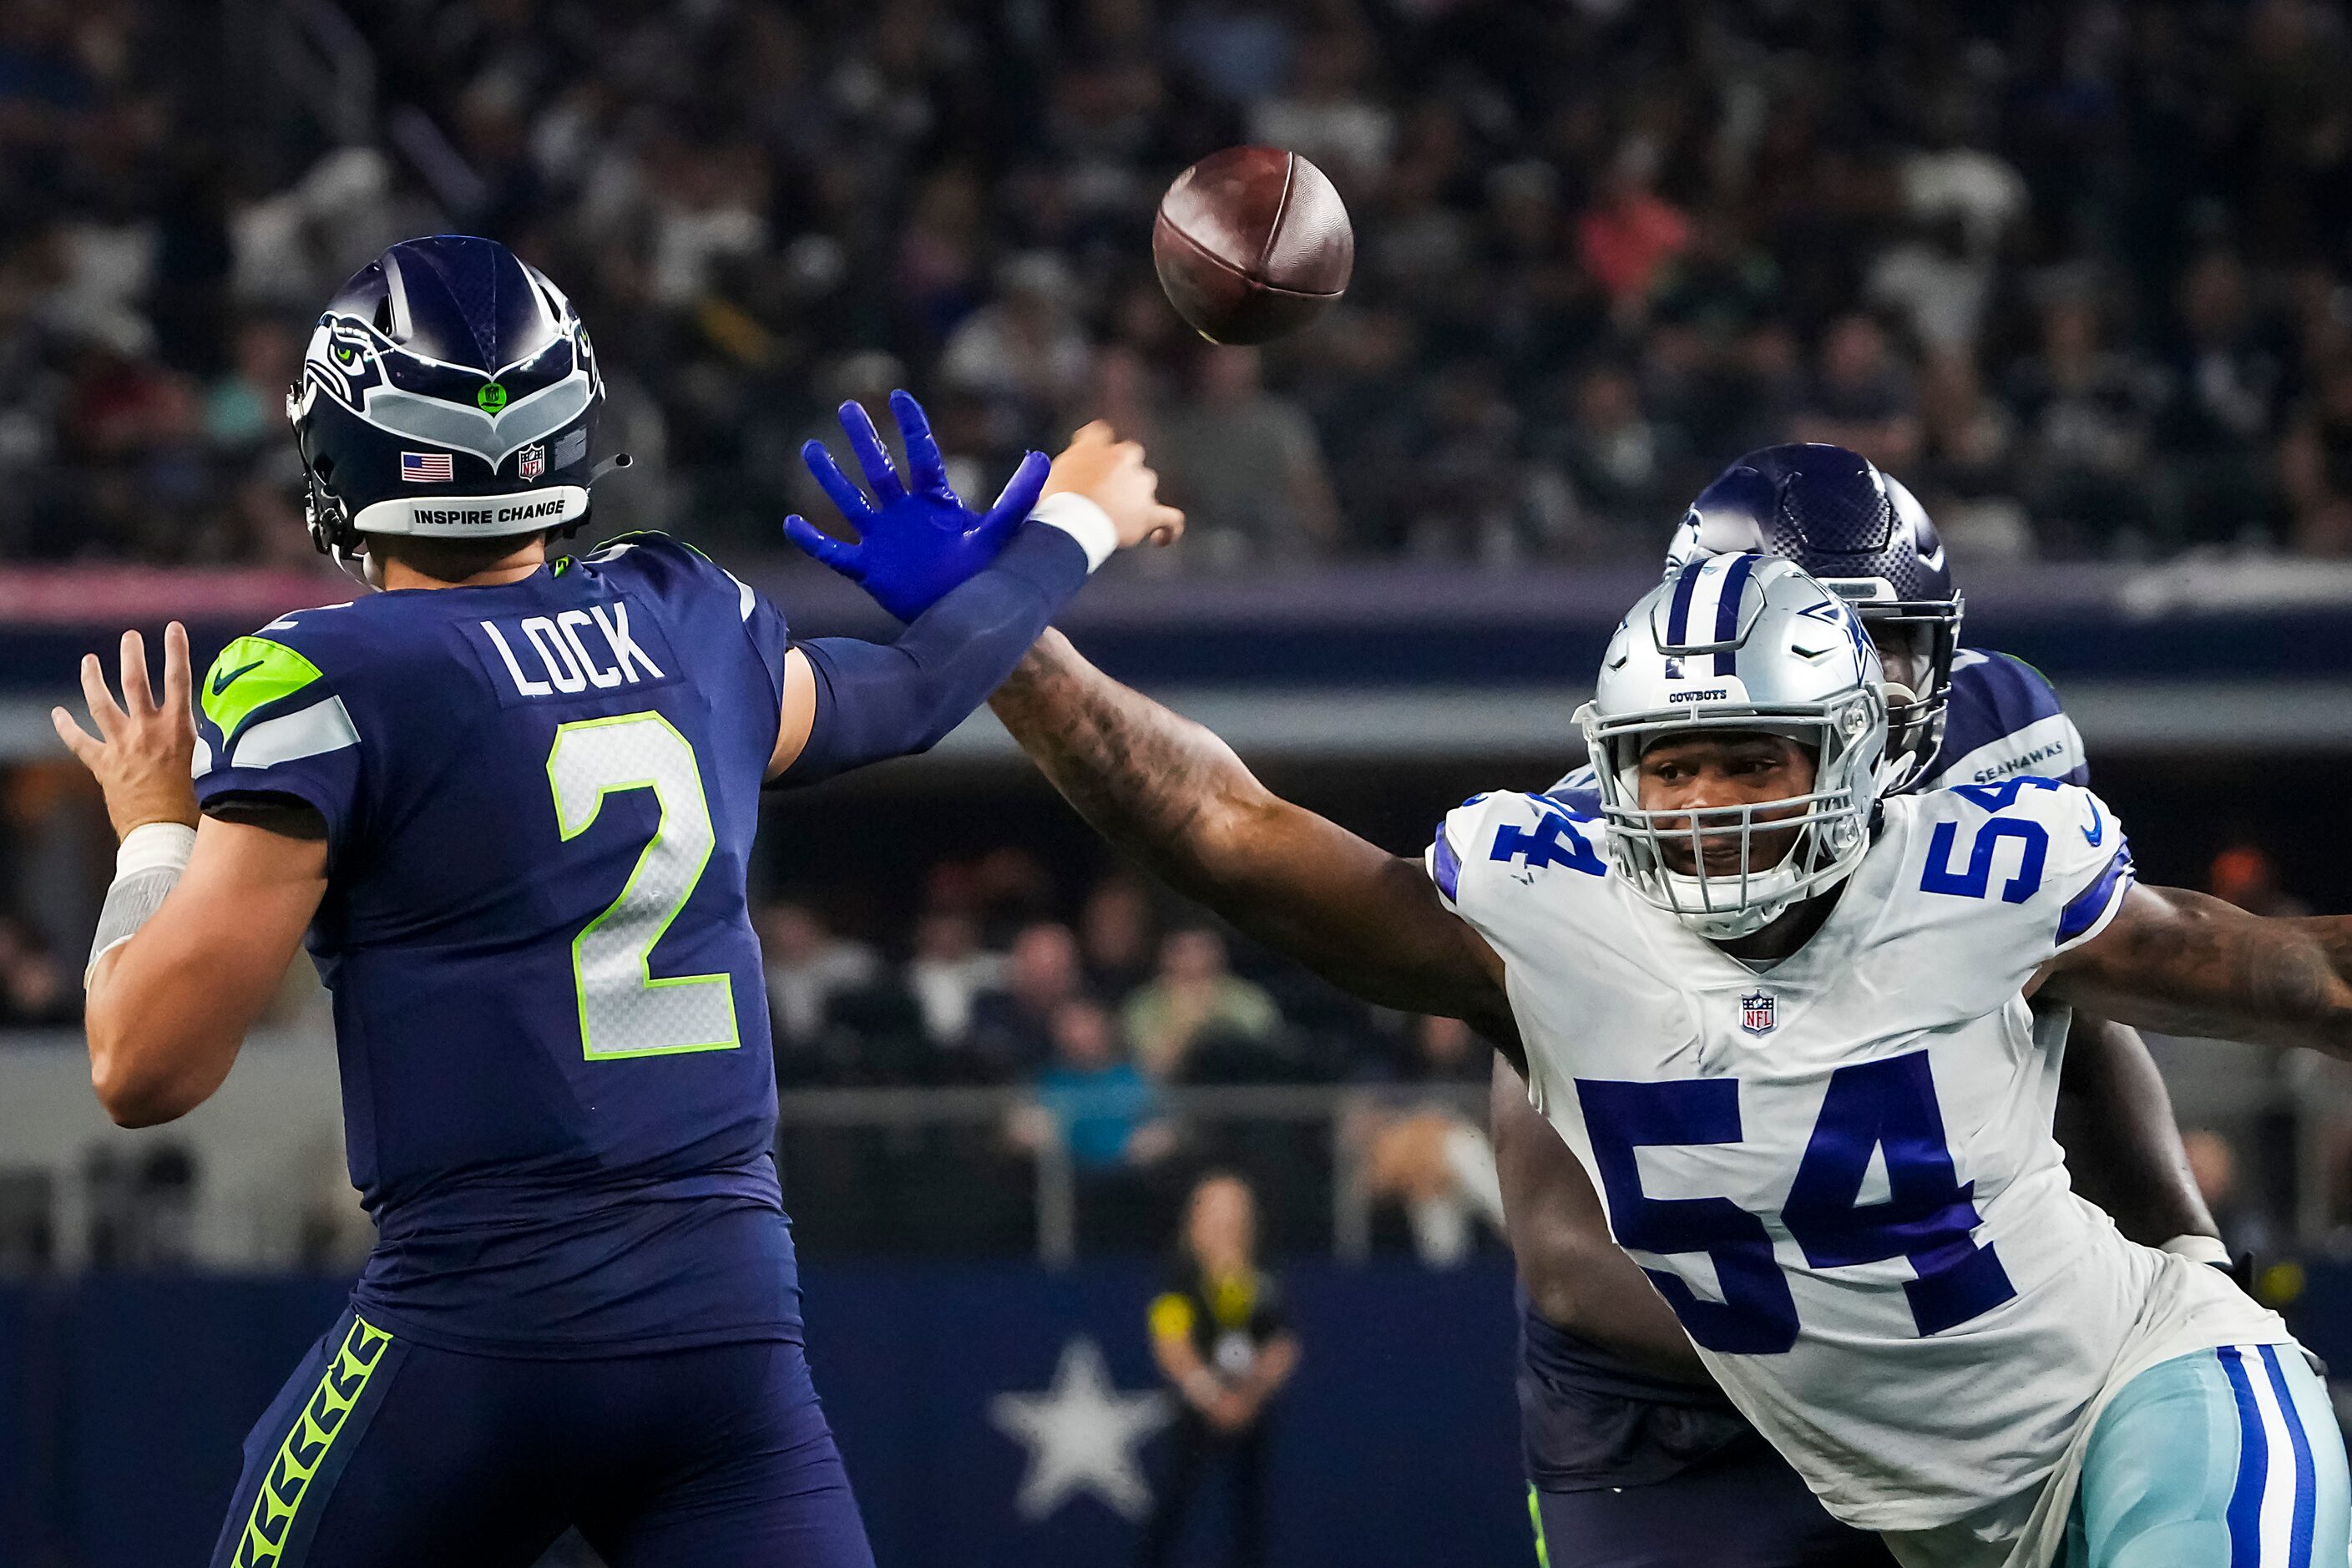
[{"x": 1252, "y": 243}]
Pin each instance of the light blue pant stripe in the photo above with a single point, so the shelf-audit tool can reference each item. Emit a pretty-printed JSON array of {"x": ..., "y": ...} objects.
[
  {"x": 2299, "y": 1543},
  {"x": 2189, "y": 1457}
]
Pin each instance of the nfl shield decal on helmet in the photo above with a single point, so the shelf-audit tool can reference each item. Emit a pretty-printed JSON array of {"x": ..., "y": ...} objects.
[
  {"x": 532, "y": 463},
  {"x": 1757, "y": 1011}
]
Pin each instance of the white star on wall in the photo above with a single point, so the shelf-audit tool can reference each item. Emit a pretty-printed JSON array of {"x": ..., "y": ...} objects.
[{"x": 1082, "y": 1435}]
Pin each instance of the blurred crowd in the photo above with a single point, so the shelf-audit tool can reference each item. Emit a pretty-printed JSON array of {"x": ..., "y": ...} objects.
[
  {"x": 2078, "y": 271},
  {"x": 991, "y": 985}
]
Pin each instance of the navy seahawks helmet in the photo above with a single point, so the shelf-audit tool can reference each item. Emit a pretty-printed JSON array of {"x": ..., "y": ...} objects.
[
  {"x": 448, "y": 391},
  {"x": 1865, "y": 538}
]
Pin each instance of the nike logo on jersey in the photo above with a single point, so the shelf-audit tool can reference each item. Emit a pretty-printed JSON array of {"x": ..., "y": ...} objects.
[
  {"x": 2098, "y": 828},
  {"x": 225, "y": 678},
  {"x": 563, "y": 657}
]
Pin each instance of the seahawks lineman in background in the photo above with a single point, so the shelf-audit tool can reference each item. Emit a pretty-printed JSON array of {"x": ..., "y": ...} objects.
[
  {"x": 1784, "y": 1016},
  {"x": 1633, "y": 1452},
  {"x": 1225, "y": 1343},
  {"x": 510, "y": 802}
]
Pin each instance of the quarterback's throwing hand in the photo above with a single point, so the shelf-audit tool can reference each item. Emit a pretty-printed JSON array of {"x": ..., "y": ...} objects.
[
  {"x": 913, "y": 545},
  {"x": 144, "y": 752},
  {"x": 1111, "y": 473}
]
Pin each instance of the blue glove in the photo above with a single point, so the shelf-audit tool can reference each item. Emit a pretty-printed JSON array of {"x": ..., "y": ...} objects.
[{"x": 913, "y": 546}]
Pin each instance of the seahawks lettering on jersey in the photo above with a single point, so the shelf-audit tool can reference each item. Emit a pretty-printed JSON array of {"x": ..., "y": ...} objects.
[
  {"x": 1839, "y": 1171},
  {"x": 2005, "y": 720},
  {"x": 549, "y": 1007}
]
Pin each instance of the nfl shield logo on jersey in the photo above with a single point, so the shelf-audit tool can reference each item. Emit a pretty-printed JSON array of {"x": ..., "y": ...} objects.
[
  {"x": 533, "y": 463},
  {"x": 1756, "y": 1012}
]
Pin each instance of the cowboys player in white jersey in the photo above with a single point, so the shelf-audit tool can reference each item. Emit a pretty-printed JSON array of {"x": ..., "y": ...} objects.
[
  {"x": 1632, "y": 1453},
  {"x": 1784, "y": 1019}
]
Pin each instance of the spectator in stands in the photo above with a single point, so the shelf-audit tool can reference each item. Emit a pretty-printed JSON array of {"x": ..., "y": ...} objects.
[
  {"x": 1026, "y": 350},
  {"x": 1627, "y": 236},
  {"x": 1446, "y": 1050},
  {"x": 2085, "y": 413},
  {"x": 2213, "y": 1163},
  {"x": 807, "y": 967},
  {"x": 1861, "y": 396},
  {"x": 2225, "y": 381},
  {"x": 1106, "y": 1111},
  {"x": 2316, "y": 464},
  {"x": 2244, "y": 874},
  {"x": 1118, "y": 932},
  {"x": 1013, "y": 1023},
  {"x": 1246, "y": 465},
  {"x": 35, "y": 989},
  {"x": 1625, "y": 467},
  {"x": 1965, "y": 474},
  {"x": 1089, "y": 1103},
  {"x": 1330, "y": 113},
  {"x": 947, "y": 975},
  {"x": 1197, "y": 999}
]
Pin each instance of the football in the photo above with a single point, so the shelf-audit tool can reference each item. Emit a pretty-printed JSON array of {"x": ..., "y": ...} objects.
[{"x": 1252, "y": 244}]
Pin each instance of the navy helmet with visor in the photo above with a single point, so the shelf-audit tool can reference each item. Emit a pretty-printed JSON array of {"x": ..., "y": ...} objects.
[
  {"x": 448, "y": 391},
  {"x": 1863, "y": 536}
]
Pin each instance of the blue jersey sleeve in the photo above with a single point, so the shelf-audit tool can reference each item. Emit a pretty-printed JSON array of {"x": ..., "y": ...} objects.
[
  {"x": 2004, "y": 721},
  {"x": 270, "y": 722}
]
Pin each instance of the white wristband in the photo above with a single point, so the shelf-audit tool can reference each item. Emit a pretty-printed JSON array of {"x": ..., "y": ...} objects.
[
  {"x": 155, "y": 847},
  {"x": 1083, "y": 520},
  {"x": 146, "y": 868},
  {"x": 2199, "y": 1249}
]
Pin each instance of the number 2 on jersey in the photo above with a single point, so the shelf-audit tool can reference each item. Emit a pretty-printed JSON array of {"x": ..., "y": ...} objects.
[
  {"x": 1929, "y": 1214},
  {"x": 624, "y": 1010}
]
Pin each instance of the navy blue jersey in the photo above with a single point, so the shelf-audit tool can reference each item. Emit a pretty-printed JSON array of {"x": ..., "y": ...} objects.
[
  {"x": 1588, "y": 1417},
  {"x": 2003, "y": 720},
  {"x": 558, "y": 1091}
]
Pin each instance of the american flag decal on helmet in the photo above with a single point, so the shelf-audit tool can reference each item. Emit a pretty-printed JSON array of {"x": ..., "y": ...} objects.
[
  {"x": 427, "y": 467},
  {"x": 1757, "y": 1010}
]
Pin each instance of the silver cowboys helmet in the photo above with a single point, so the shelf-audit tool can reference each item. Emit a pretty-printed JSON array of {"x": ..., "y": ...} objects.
[{"x": 1750, "y": 644}]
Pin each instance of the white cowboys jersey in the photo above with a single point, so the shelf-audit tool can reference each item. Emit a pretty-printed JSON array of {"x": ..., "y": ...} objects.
[{"x": 1840, "y": 1172}]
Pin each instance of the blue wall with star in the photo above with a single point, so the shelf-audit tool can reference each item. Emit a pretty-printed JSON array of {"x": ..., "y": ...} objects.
[{"x": 122, "y": 1402}]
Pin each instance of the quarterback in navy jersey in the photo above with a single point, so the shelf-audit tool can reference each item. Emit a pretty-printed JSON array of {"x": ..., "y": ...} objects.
[
  {"x": 508, "y": 803},
  {"x": 1633, "y": 1455}
]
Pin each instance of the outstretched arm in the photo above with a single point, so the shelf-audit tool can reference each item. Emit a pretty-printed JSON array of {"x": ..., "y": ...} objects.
[
  {"x": 1176, "y": 798},
  {"x": 975, "y": 591},
  {"x": 2190, "y": 964}
]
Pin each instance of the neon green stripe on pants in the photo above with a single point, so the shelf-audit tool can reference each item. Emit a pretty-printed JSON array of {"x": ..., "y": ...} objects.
[{"x": 305, "y": 1448}]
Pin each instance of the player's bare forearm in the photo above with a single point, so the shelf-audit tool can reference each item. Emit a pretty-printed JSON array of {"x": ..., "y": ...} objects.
[
  {"x": 1175, "y": 796},
  {"x": 169, "y": 1008},
  {"x": 1575, "y": 1274},
  {"x": 2123, "y": 1147},
  {"x": 2187, "y": 964}
]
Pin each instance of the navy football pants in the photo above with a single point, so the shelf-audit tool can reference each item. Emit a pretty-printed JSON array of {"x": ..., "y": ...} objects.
[
  {"x": 1743, "y": 1509},
  {"x": 384, "y": 1454}
]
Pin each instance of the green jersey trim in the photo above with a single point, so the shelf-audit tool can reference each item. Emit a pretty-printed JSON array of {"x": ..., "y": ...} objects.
[{"x": 250, "y": 673}]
